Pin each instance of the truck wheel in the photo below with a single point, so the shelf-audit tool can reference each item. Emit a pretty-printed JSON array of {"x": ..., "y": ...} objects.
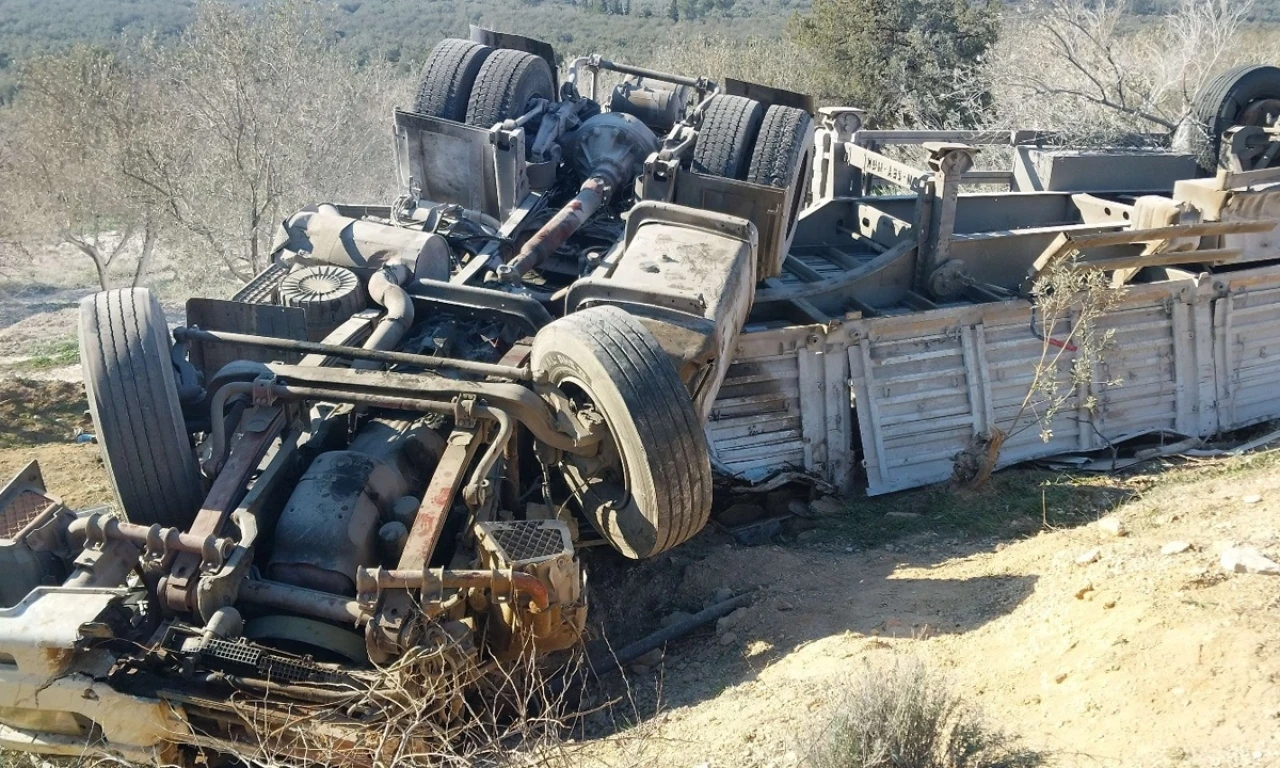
[
  {"x": 783, "y": 158},
  {"x": 508, "y": 80},
  {"x": 445, "y": 85},
  {"x": 648, "y": 487},
  {"x": 728, "y": 130},
  {"x": 1244, "y": 95},
  {"x": 129, "y": 382}
]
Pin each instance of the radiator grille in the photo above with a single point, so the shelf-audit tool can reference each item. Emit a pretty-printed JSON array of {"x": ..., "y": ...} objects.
[
  {"x": 262, "y": 288},
  {"x": 20, "y": 512},
  {"x": 525, "y": 541}
]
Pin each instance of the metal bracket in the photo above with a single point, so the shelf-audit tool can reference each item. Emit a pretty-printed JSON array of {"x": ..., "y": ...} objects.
[
  {"x": 464, "y": 415},
  {"x": 263, "y": 396}
]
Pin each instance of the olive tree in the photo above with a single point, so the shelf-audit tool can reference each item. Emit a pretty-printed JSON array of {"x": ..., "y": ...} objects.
[
  {"x": 256, "y": 114},
  {"x": 1079, "y": 66},
  {"x": 64, "y": 152},
  {"x": 904, "y": 61}
]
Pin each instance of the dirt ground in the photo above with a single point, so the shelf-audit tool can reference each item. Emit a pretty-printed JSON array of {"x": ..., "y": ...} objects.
[{"x": 1136, "y": 658}]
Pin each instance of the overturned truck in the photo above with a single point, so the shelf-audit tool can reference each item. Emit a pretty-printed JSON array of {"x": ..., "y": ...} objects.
[{"x": 364, "y": 479}]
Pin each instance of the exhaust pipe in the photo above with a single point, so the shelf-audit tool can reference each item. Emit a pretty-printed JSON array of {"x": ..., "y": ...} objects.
[{"x": 386, "y": 290}]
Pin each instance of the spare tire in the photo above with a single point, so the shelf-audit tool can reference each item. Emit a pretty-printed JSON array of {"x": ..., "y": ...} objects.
[
  {"x": 445, "y": 86},
  {"x": 726, "y": 135},
  {"x": 648, "y": 487},
  {"x": 783, "y": 157},
  {"x": 1245, "y": 95},
  {"x": 507, "y": 82},
  {"x": 133, "y": 398}
]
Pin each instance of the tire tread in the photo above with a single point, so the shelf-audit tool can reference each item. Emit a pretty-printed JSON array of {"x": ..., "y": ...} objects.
[
  {"x": 445, "y": 85},
  {"x": 498, "y": 85},
  {"x": 134, "y": 404},
  {"x": 671, "y": 437},
  {"x": 728, "y": 131}
]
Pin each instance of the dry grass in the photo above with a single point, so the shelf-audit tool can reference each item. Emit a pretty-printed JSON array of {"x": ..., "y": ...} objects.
[{"x": 901, "y": 715}]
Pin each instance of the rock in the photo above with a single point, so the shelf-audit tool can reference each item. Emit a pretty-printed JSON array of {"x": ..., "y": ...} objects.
[
  {"x": 652, "y": 658},
  {"x": 1175, "y": 548},
  {"x": 1089, "y": 556},
  {"x": 799, "y": 508},
  {"x": 717, "y": 597},
  {"x": 828, "y": 505},
  {"x": 778, "y": 502},
  {"x": 726, "y": 623},
  {"x": 728, "y": 638},
  {"x": 1112, "y": 526},
  {"x": 641, "y": 670},
  {"x": 807, "y": 536},
  {"x": 1248, "y": 560},
  {"x": 1084, "y": 590},
  {"x": 1109, "y": 604},
  {"x": 894, "y": 624},
  {"x": 1061, "y": 676},
  {"x": 757, "y": 533},
  {"x": 740, "y": 514},
  {"x": 902, "y": 515},
  {"x": 672, "y": 619},
  {"x": 1252, "y": 498}
]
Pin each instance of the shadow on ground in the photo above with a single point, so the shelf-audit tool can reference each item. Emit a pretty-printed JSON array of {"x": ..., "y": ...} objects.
[{"x": 862, "y": 568}]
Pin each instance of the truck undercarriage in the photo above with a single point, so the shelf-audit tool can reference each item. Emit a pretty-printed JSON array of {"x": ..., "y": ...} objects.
[{"x": 363, "y": 481}]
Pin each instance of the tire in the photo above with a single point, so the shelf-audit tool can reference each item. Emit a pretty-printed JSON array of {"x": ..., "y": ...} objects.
[
  {"x": 783, "y": 157},
  {"x": 508, "y": 80},
  {"x": 445, "y": 86},
  {"x": 728, "y": 131},
  {"x": 129, "y": 382},
  {"x": 1221, "y": 104},
  {"x": 655, "y": 438}
]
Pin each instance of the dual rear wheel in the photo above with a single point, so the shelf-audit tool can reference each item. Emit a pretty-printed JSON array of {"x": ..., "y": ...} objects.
[
  {"x": 742, "y": 139},
  {"x": 474, "y": 84}
]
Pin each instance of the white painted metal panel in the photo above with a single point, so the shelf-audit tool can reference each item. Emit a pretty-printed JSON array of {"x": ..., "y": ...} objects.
[
  {"x": 1187, "y": 357},
  {"x": 926, "y": 385},
  {"x": 1246, "y": 333},
  {"x": 784, "y": 405}
]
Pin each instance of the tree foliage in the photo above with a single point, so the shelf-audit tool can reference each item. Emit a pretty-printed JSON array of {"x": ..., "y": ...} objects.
[
  {"x": 1096, "y": 78},
  {"x": 904, "y": 61},
  {"x": 67, "y": 144},
  {"x": 207, "y": 143}
]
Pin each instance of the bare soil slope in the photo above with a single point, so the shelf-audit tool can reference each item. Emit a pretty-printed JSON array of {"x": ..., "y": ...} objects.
[{"x": 1137, "y": 658}]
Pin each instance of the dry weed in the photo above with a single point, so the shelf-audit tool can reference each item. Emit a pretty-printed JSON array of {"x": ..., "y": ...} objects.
[{"x": 901, "y": 715}]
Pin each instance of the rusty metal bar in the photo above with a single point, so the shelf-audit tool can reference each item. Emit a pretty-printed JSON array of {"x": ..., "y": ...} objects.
[
  {"x": 228, "y": 489},
  {"x": 430, "y": 394},
  {"x": 310, "y": 602},
  {"x": 155, "y": 538},
  {"x": 438, "y": 498},
  {"x": 374, "y": 579},
  {"x": 354, "y": 353},
  {"x": 701, "y": 83},
  {"x": 594, "y": 193}
]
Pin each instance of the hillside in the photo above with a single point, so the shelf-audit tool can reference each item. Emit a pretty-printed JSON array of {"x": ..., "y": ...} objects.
[{"x": 404, "y": 30}]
